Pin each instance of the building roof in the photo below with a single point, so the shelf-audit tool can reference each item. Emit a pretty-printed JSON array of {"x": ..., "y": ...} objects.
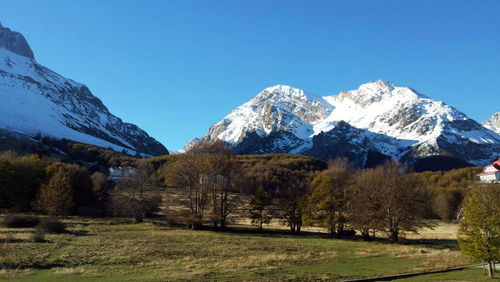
[
  {"x": 489, "y": 172},
  {"x": 496, "y": 164}
]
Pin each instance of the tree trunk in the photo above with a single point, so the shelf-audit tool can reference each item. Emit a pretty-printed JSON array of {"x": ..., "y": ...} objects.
[
  {"x": 365, "y": 234},
  {"x": 195, "y": 226},
  {"x": 394, "y": 236},
  {"x": 490, "y": 270}
]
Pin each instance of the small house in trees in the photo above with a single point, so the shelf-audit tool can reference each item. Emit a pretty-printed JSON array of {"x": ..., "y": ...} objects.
[
  {"x": 117, "y": 173},
  {"x": 491, "y": 173}
]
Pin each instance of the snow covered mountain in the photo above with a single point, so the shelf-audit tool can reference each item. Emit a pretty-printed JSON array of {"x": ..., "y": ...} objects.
[
  {"x": 189, "y": 145},
  {"x": 493, "y": 123},
  {"x": 378, "y": 120},
  {"x": 36, "y": 100}
]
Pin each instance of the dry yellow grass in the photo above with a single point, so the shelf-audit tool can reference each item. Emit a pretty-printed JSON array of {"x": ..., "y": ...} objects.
[
  {"x": 440, "y": 231},
  {"x": 116, "y": 249}
]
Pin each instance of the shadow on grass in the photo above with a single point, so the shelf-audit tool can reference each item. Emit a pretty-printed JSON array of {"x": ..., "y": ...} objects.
[
  {"x": 434, "y": 243},
  {"x": 249, "y": 230},
  {"x": 240, "y": 230},
  {"x": 36, "y": 265},
  {"x": 79, "y": 233}
]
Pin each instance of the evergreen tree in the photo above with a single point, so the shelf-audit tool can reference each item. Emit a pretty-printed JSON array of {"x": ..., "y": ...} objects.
[{"x": 258, "y": 207}]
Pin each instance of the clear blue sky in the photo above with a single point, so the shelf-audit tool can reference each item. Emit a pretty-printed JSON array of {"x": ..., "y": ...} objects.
[{"x": 176, "y": 67}]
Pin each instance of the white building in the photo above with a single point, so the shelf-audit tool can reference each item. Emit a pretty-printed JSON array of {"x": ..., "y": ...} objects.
[
  {"x": 117, "y": 173},
  {"x": 491, "y": 173}
]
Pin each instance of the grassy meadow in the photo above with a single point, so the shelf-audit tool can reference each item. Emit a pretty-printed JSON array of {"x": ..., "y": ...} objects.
[{"x": 116, "y": 249}]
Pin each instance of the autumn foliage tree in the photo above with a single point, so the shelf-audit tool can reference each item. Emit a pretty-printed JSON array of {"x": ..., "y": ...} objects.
[
  {"x": 69, "y": 187},
  {"x": 20, "y": 180},
  {"x": 56, "y": 197},
  {"x": 479, "y": 231},
  {"x": 328, "y": 203}
]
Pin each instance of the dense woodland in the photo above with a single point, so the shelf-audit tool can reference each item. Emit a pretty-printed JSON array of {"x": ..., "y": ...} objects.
[{"x": 297, "y": 190}]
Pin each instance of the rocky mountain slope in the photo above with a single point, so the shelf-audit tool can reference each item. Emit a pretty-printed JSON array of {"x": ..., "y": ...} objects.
[
  {"x": 377, "y": 120},
  {"x": 493, "y": 123},
  {"x": 37, "y": 101},
  {"x": 189, "y": 145}
]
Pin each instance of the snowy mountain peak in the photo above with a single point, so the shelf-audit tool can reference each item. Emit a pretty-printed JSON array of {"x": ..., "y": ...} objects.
[
  {"x": 282, "y": 93},
  {"x": 15, "y": 42},
  {"x": 377, "y": 86},
  {"x": 493, "y": 123},
  {"x": 395, "y": 121},
  {"x": 374, "y": 92},
  {"x": 283, "y": 99}
]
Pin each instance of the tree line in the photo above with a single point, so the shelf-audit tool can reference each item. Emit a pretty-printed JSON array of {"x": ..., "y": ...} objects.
[
  {"x": 296, "y": 190},
  {"x": 48, "y": 186},
  {"x": 299, "y": 192}
]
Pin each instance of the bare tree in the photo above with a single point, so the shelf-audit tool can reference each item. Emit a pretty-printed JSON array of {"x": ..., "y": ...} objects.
[
  {"x": 362, "y": 205},
  {"x": 186, "y": 174},
  {"x": 219, "y": 170},
  {"x": 136, "y": 193},
  {"x": 205, "y": 173},
  {"x": 400, "y": 200}
]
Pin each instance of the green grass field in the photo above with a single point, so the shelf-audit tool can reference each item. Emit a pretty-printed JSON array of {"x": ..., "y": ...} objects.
[{"x": 114, "y": 249}]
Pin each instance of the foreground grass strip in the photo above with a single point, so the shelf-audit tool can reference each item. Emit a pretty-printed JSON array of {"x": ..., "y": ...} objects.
[{"x": 113, "y": 249}]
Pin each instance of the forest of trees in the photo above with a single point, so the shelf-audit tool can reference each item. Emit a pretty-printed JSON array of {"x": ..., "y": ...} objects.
[
  {"x": 295, "y": 190},
  {"x": 301, "y": 191},
  {"x": 31, "y": 184}
]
